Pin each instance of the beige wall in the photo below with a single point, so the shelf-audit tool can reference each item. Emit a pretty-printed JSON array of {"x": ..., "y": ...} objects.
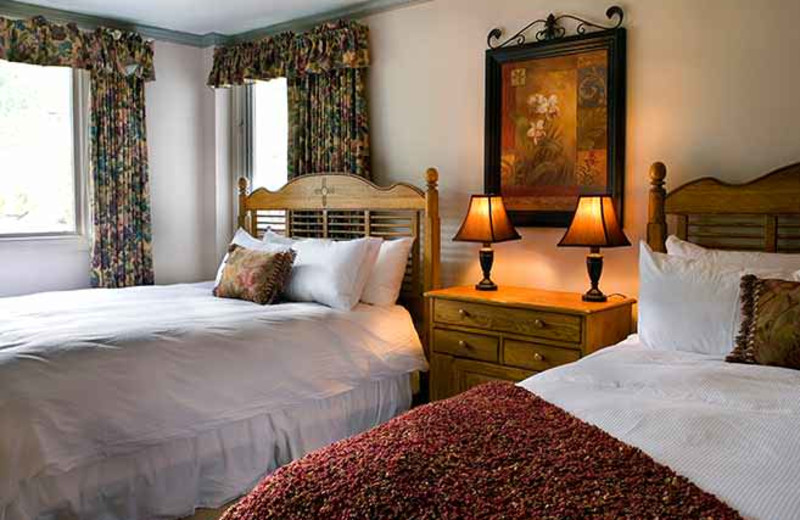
[
  {"x": 179, "y": 112},
  {"x": 712, "y": 90},
  {"x": 191, "y": 189}
]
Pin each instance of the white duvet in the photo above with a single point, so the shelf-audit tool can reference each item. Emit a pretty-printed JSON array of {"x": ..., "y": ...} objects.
[
  {"x": 98, "y": 373},
  {"x": 734, "y": 430}
]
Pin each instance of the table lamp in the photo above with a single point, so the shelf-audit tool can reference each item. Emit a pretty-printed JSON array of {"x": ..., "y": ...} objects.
[
  {"x": 594, "y": 225},
  {"x": 486, "y": 222}
]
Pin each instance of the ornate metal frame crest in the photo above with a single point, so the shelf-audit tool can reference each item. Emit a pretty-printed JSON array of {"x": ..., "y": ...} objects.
[{"x": 553, "y": 29}]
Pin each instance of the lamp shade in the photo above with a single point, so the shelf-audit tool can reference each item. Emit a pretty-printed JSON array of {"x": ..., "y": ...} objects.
[
  {"x": 594, "y": 224},
  {"x": 486, "y": 221}
]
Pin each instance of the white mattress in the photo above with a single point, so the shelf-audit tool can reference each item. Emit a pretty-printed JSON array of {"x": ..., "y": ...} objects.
[
  {"x": 98, "y": 375},
  {"x": 734, "y": 430}
]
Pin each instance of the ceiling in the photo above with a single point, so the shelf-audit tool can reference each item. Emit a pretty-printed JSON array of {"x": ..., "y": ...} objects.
[{"x": 203, "y": 16}]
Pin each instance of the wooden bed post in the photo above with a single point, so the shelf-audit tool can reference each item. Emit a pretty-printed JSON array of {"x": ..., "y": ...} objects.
[
  {"x": 242, "y": 203},
  {"x": 431, "y": 262},
  {"x": 657, "y": 219}
]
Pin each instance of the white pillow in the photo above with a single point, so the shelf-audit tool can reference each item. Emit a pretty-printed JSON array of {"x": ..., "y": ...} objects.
[
  {"x": 386, "y": 279},
  {"x": 329, "y": 272},
  {"x": 741, "y": 259},
  {"x": 271, "y": 237},
  {"x": 244, "y": 239},
  {"x": 690, "y": 305}
]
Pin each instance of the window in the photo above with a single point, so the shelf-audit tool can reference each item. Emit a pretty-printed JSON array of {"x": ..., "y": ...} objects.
[
  {"x": 269, "y": 116},
  {"x": 39, "y": 179}
]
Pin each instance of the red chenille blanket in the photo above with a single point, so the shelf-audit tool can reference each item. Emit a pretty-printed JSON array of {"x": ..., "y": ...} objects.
[{"x": 496, "y": 451}]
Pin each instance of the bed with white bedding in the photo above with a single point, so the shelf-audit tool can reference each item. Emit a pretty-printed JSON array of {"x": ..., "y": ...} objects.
[
  {"x": 732, "y": 429},
  {"x": 103, "y": 389},
  {"x": 139, "y": 403}
]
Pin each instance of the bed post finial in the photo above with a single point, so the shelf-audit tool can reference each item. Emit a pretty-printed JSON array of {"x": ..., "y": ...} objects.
[
  {"x": 242, "y": 202},
  {"x": 432, "y": 177},
  {"x": 657, "y": 218}
]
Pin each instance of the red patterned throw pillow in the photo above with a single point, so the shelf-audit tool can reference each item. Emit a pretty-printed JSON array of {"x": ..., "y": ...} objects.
[
  {"x": 770, "y": 330},
  {"x": 256, "y": 276}
]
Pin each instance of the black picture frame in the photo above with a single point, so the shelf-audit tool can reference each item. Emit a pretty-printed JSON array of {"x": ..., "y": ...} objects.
[{"x": 614, "y": 41}]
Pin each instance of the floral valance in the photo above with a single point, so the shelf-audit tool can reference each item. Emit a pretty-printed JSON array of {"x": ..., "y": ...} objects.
[
  {"x": 39, "y": 42},
  {"x": 331, "y": 46},
  {"x": 124, "y": 53}
]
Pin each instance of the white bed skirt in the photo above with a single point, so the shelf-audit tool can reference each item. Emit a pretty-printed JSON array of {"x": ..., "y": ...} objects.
[{"x": 170, "y": 480}]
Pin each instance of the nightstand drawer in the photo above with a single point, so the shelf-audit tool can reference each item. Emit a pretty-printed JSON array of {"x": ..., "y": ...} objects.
[
  {"x": 562, "y": 327},
  {"x": 536, "y": 356},
  {"x": 471, "y": 380},
  {"x": 468, "y": 374},
  {"x": 466, "y": 345}
]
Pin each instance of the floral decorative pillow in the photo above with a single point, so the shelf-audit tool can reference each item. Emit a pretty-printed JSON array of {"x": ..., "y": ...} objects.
[
  {"x": 256, "y": 276},
  {"x": 770, "y": 330}
]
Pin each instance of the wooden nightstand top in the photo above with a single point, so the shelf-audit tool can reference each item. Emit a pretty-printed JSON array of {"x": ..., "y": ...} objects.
[{"x": 524, "y": 297}]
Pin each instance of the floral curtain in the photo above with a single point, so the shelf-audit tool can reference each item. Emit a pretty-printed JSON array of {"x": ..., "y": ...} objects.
[
  {"x": 120, "y": 63},
  {"x": 121, "y": 252},
  {"x": 326, "y": 72},
  {"x": 263, "y": 60},
  {"x": 38, "y": 42},
  {"x": 121, "y": 249},
  {"x": 328, "y": 126},
  {"x": 331, "y": 46}
]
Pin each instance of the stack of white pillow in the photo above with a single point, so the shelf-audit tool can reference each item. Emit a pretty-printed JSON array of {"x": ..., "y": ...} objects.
[
  {"x": 689, "y": 297},
  {"x": 338, "y": 274}
]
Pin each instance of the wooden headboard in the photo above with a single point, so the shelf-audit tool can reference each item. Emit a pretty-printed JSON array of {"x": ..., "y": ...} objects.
[
  {"x": 343, "y": 207},
  {"x": 763, "y": 214}
]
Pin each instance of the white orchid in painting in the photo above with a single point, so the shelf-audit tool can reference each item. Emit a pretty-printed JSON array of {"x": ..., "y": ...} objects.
[
  {"x": 537, "y": 131},
  {"x": 543, "y": 114},
  {"x": 544, "y": 105}
]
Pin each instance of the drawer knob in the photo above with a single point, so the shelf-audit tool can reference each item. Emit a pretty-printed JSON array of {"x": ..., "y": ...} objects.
[
  {"x": 463, "y": 313},
  {"x": 463, "y": 344},
  {"x": 538, "y": 357},
  {"x": 539, "y": 324}
]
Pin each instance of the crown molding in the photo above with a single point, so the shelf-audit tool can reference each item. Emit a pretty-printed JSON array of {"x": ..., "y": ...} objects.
[
  {"x": 361, "y": 10},
  {"x": 14, "y": 9}
]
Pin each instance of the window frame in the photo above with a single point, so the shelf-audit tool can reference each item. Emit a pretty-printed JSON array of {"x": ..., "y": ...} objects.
[
  {"x": 80, "y": 118},
  {"x": 247, "y": 125}
]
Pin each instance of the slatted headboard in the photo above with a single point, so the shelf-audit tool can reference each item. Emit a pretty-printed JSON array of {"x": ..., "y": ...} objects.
[
  {"x": 342, "y": 207},
  {"x": 763, "y": 214}
]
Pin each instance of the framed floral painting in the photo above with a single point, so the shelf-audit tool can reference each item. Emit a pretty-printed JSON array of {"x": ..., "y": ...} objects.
[{"x": 555, "y": 124}]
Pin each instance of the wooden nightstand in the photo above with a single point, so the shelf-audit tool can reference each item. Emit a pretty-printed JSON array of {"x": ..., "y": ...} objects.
[{"x": 512, "y": 333}]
